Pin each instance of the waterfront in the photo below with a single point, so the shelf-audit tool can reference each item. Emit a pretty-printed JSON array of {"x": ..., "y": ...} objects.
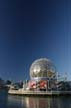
[{"x": 8, "y": 101}]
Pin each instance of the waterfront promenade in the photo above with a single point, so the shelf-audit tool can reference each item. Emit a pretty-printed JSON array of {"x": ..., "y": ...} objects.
[{"x": 38, "y": 93}]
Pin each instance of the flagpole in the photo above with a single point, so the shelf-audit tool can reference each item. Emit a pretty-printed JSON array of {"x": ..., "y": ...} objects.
[
  {"x": 57, "y": 81},
  {"x": 65, "y": 76}
]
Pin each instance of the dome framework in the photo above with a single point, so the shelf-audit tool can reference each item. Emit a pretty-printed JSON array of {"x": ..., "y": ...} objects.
[{"x": 42, "y": 68}]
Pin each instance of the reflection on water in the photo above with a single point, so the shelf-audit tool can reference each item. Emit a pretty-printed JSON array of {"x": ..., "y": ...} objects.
[
  {"x": 15, "y": 102},
  {"x": 38, "y": 102},
  {"x": 34, "y": 102},
  {"x": 3, "y": 99}
]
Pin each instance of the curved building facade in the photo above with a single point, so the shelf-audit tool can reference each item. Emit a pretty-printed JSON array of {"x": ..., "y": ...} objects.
[
  {"x": 42, "y": 74},
  {"x": 42, "y": 69}
]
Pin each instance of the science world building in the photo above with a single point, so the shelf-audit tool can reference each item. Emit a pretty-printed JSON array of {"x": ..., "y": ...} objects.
[{"x": 42, "y": 75}]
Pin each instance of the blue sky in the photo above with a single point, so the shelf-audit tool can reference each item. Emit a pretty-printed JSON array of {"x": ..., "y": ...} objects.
[{"x": 33, "y": 29}]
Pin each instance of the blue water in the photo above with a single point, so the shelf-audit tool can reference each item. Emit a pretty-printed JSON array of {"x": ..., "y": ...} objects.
[{"x": 8, "y": 101}]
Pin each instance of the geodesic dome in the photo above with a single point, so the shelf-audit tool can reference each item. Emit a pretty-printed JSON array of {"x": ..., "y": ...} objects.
[{"x": 42, "y": 68}]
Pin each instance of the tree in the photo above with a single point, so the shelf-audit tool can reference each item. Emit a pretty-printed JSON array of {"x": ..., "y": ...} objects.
[{"x": 8, "y": 82}]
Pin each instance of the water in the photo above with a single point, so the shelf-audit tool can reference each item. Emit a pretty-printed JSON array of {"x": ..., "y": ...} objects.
[{"x": 8, "y": 101}]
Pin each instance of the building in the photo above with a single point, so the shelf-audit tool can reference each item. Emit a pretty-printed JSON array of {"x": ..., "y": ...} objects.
[
  {"x": 43, "y": 75},
  {"x": 44, "y": 80}
]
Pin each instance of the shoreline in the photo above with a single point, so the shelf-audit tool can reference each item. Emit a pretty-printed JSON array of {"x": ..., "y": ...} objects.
[{"x": 39, "y": 93}]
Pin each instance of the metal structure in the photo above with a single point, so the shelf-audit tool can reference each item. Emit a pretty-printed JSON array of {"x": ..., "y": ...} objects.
[
  {"x": 43, "y": 74},
  {"x": 42, "y": 69}
]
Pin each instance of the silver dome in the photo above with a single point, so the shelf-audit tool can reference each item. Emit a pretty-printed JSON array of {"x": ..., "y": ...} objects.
[{"x": 42, "y": 68}]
